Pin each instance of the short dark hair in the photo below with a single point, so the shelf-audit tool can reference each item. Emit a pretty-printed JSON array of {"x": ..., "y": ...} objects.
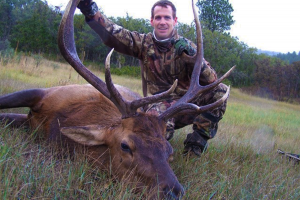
[{"x": 165, "y": 4}]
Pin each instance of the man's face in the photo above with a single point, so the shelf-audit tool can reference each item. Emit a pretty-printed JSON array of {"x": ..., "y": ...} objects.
[{"x": 163, "y": 22}]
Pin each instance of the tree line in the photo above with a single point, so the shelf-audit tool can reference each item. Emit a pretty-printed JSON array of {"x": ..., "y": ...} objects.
[
  {"x": 289, "y": 57},
  {"x": 31, "y": 26}
]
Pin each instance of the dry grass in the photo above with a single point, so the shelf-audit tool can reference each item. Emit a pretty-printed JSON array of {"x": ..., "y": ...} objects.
[{"x": 241, "y": 162}]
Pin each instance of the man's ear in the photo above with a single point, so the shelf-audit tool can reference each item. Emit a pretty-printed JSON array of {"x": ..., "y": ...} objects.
[
  {"x": 175, "y": 21},
  {"x": 87, "y": 135}
]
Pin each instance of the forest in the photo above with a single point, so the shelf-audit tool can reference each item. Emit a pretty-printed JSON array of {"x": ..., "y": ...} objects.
[{"x": 29, "y": 27}]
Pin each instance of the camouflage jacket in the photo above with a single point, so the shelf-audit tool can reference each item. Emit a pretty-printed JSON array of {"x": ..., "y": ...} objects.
[{"x": 161, "y": 69}]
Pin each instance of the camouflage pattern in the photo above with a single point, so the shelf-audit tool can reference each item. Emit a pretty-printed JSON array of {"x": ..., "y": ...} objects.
[
  {"x": 204, "y": 124},
  {"x": 159, "y": 108},
  {"x": 161, "y": 67}
]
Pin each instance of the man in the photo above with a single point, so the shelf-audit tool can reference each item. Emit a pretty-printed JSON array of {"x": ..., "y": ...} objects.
[{"x": 160, "y": 54}]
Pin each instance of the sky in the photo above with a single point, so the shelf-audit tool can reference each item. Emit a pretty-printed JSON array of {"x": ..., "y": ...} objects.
[{"x": 271, "y": 25}]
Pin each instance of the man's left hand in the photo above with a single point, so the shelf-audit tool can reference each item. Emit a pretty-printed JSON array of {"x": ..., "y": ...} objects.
[{"x": 182, "y": 45}]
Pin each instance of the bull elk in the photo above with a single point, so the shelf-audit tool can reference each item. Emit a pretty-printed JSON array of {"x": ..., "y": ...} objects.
[{"x": 108, "y": 120}]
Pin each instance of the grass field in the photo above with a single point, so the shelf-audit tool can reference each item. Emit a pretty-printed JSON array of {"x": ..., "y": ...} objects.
[{"x": 241, "y": 162}]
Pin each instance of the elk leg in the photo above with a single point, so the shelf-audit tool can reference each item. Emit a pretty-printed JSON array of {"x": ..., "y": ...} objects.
[
  {"x": 15, "y": 120},
  {"x": 24, "y": 98}
]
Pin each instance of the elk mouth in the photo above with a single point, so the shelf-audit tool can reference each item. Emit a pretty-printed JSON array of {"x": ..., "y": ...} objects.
[{"x": 167, "y": 192}]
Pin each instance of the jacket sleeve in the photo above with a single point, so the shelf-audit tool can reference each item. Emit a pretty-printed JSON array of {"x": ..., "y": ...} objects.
[
  {"x": 208, "y": 74},
  {"x": 117, "y": 37}
]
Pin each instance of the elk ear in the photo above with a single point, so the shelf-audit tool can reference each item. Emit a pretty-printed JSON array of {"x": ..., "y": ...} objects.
[{"x": 87, "y": 135}]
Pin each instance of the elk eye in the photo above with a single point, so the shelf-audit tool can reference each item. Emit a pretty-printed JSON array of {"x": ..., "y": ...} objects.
[{"x": 125, "y": 147}]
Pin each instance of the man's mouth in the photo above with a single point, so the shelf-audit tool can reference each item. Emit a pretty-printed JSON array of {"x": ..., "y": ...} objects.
[{"x": 162, "y": 29}]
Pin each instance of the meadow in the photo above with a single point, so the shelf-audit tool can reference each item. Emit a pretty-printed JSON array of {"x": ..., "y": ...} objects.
[{"x": 241, "y": 162}]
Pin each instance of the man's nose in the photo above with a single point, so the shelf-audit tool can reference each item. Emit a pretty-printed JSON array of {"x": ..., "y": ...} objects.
[{"x": 162, "y": 21}]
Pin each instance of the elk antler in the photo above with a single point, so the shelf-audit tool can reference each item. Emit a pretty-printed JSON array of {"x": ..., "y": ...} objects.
[
  {"x": 129, "y": 108},
  {"x": 66, "y": 45},
  {"x": 183, "y": 105}
]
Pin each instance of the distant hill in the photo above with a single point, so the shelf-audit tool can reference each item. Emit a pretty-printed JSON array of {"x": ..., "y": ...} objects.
[
  {"x": 270, "y": 53},
  {"x": 288, "y": 57}
]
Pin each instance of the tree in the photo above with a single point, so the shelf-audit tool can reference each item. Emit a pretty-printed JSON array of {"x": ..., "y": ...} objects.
[
  {"x": 289, "y": 57},
  {"x": 187, "y": 31},
  {"x": 36, "y": 28},
  {"x": 8, "y": 15},
  {"x": 139, "y": 25},
  {"x": 215, "y": 14}
]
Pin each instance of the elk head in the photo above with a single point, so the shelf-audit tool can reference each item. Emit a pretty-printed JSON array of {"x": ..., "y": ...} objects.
[{"x": 135, "y": 141}]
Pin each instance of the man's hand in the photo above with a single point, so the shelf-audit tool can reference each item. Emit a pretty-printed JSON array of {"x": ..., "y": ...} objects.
[
  {"x": 88, "y": 8},
  {"x": 182, "y": 45}
]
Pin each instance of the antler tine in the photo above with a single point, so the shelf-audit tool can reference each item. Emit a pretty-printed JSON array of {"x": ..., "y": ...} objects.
[
  {"x": 212, "y": 85},
  {"x": 195, "y": 58},
  {"x": 183, "y": 105},
  {"x": 199, "y": 55},
  {"x": 127, "y": 108},
  {"x": 154, "y": 98},
  {"x": 115, "y": 96},
  {"x": 188, "y": 108},
  {"x": 68, "y": 50}
]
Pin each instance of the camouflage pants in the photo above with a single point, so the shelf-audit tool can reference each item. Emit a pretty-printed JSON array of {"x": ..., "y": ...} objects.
[{"x": 205, "y": 124}]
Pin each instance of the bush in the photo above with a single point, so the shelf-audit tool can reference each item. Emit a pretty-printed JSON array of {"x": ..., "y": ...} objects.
[
  {"x": 4, "y": 45},
  {"x": 127, "y": 70},
  {"x": 6, "y": 52}
]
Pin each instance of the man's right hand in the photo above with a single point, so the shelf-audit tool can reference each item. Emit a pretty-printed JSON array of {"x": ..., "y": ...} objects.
[{"x": 88, "y": 8}]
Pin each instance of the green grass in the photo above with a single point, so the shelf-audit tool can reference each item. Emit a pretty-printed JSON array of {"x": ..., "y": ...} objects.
[{"x": 241, "y": 162}]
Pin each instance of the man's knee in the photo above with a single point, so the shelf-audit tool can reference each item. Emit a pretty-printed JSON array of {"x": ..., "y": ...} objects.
[
  {"x": 219, "y": 91},
  {"x": 206, "y": 124}
]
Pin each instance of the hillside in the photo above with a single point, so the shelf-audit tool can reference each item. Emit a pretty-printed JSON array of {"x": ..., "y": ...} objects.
[{"x": 270, "y": 53}]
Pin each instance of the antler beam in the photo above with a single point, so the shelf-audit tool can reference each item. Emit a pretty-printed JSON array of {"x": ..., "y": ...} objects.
[{"x": 183, "y": 105}]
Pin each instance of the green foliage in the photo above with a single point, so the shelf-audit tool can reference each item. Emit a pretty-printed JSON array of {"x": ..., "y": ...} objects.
[
  {"x": 6, "y": 52},
  {"x": 289, "y": 57},
  {"x": 215, "y": 14},
  {"x": 224, "y": 51},
  {"x": 7, "y": 17},
  {"x": 139, "y": 25},
  {"x": 90, "y": 47},
  {"x": 127, "y": 71},
  {"x": 37, "y": 30},
  {"x": 88, "y": 43},
  {"x": 187, "y": 31},
  {"x": 4, "y": 45}
]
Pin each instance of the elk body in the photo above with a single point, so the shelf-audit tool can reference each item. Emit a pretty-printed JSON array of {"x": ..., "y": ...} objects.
[
  {"x": 108, "y": 120},
  {"x": 87, "y": 117}
]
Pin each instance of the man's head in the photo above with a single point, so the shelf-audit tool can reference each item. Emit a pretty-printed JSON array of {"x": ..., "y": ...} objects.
[{"x": 163, "y": 19}]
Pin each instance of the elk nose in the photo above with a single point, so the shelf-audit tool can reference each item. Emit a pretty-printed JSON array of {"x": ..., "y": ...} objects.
[{"x": 173, "y": 193}]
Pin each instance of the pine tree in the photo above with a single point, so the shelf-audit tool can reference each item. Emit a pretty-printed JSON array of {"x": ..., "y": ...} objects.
[{"x": 215, "y": 14}]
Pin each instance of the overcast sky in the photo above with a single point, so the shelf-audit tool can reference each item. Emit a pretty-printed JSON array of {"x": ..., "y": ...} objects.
[{"x": 272, "y": 25}]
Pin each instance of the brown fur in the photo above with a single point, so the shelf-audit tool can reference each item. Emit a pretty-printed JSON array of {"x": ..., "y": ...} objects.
[{"x": 80, "y": 114}]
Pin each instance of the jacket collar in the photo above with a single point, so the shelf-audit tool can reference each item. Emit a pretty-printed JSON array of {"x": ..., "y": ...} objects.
[{"x": 166, "y": 44}]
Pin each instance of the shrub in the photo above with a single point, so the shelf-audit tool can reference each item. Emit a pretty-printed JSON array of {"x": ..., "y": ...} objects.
[{"x": 127, "y": 71}]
